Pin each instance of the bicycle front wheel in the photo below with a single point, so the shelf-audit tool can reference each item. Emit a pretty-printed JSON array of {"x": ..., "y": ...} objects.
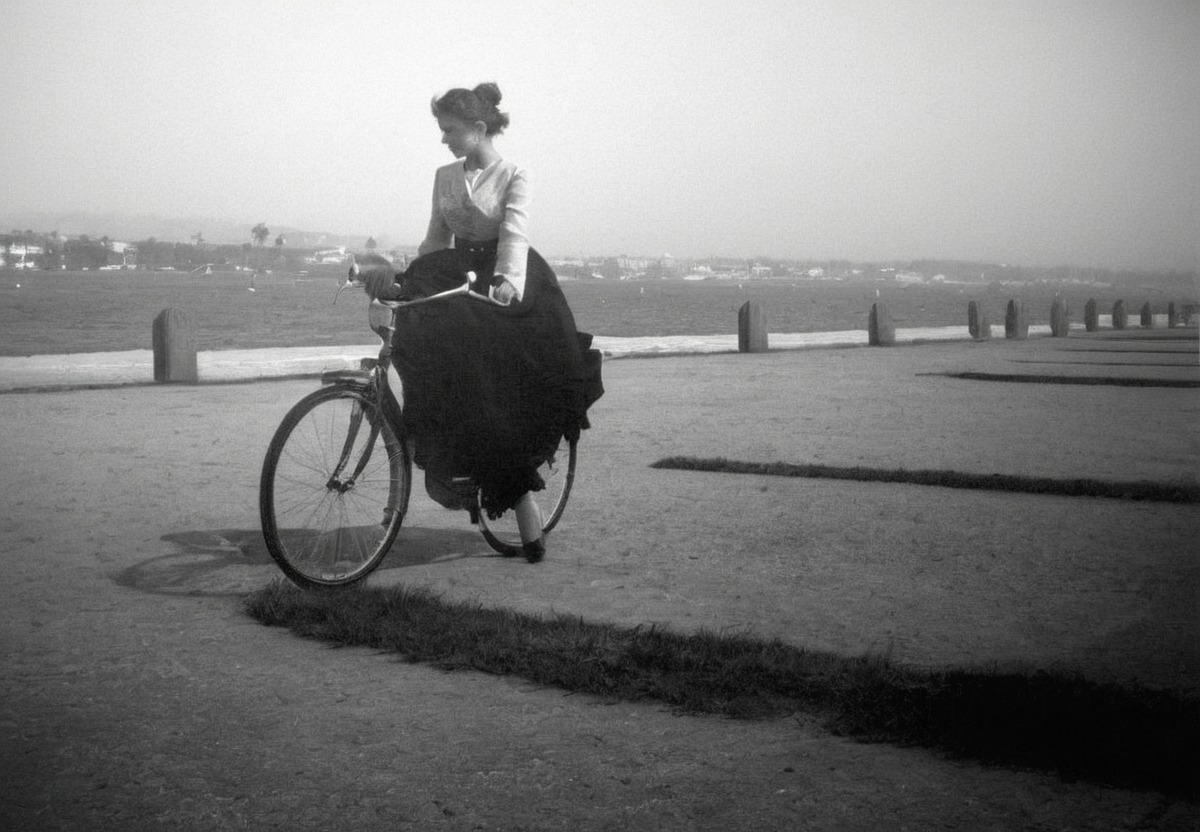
[
  {"x": 559, "y": 474},
  {"x": 334, "y": 489}
]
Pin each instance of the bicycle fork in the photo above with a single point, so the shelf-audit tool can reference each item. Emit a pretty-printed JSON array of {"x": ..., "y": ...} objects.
[{"x": 335, "y": 482}]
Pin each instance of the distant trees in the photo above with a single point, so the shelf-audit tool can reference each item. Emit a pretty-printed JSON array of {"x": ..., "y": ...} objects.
[
  {"x": 151, "y": 254},
  {"x": 260, "y": 233},
  {"x": 610, "y": 268},
  {"x": 371, "y": 244},
  {"x": 52, "y": 258},
  {"x": 85, "y": 253},
  {"x": 52, "y": 251}
]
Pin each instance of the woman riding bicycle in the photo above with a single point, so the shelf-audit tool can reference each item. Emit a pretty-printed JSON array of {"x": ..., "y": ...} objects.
[{"x": 488, "y": 390}]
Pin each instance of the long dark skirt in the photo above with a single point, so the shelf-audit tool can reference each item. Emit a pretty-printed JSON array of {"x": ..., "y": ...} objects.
[{"x": 488, "y": 390}]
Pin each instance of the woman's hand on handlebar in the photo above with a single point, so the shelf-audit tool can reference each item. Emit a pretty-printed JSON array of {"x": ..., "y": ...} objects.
[{"x": 504, "y": 292}]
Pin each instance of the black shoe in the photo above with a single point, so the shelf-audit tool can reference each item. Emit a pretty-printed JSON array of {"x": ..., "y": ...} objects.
[{"x": 534, "y": 550}]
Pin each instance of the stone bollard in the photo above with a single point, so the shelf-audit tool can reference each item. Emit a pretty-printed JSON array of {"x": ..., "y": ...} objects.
[
  {"x": 1016, "y": 321},
  {"x": 1120, "y": 317},
  {"x": 1147, "y": 316},
  {"x": 881, "y": 332},
  {"x": 977, "y": 322},
  {"x": 1060, "y": 319},
  {"x": 1172, "y": 316},
  {"x": 174, "y": 347},
  {"x": 1091, "y": 318},
  {"x": 752, "y": 328}
]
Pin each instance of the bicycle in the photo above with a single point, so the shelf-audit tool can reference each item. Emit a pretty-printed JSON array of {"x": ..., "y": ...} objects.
[{"x": 337, "y": 475}]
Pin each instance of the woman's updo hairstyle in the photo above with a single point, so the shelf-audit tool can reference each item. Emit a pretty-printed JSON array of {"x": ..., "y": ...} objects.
[{"x": 474, "y": 105}]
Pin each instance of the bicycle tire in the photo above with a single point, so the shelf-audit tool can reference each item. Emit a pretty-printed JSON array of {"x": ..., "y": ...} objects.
[
  {"x": 334, "y": 489},
  {"x": 502, "y": 534}
]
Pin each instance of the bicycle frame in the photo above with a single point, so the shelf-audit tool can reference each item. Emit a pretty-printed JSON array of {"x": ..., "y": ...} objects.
[{"x": 372, "y": 374}]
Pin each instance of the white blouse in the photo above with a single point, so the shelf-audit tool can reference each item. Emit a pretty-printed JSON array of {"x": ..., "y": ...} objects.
[{"x": 488, "y": 204}]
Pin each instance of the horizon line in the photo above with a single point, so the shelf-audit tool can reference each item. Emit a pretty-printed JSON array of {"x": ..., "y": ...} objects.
[{"x": 1008, "y": 263}]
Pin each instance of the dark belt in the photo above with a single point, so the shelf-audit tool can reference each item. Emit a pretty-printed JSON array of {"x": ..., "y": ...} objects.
[
  {"x": 476, "y": 248},
  {"x": 478, "y": 256}
]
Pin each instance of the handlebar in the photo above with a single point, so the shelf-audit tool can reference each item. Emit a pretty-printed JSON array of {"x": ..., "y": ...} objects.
[{"x": 354, "y": 281}]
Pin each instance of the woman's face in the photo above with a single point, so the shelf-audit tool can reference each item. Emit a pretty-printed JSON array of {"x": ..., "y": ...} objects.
[{"x": 460, "y": 135}]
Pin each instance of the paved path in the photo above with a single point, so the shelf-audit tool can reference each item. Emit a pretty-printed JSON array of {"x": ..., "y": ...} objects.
[{"x": 136, "y": 695}]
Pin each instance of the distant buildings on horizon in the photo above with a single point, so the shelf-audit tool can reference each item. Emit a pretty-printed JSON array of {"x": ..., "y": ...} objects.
[{"x": 30, "y": 250}]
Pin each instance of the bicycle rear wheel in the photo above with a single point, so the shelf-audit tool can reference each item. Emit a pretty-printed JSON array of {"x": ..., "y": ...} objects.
[
  {"x": 334, "y": 489},
  {"x": 503, "y": 535}
]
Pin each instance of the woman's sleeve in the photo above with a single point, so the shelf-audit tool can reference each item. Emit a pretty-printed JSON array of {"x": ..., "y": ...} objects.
[
  {"x": 512, "y": 252},
  {"x": 438, "y": 236}
]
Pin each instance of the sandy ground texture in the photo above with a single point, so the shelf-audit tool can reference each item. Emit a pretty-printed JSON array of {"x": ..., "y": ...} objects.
[{"x": 137, "y": 695}]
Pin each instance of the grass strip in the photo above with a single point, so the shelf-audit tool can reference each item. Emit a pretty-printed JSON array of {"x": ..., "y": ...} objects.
[
  {"x": 1086, "y": 380},
  {"x": 1116, "y": 735},
  {"x": 1134, "y": 490}
]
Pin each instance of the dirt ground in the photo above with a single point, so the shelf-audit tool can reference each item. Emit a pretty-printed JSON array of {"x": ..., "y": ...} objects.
[{"x": 137, "y": 695}]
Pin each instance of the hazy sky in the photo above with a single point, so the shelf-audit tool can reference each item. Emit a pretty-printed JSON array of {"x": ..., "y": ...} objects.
[{"x": 1034, "y": 133}]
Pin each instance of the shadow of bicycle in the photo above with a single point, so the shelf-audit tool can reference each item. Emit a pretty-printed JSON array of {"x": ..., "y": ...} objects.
[{"x": 233, "y": 562}]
